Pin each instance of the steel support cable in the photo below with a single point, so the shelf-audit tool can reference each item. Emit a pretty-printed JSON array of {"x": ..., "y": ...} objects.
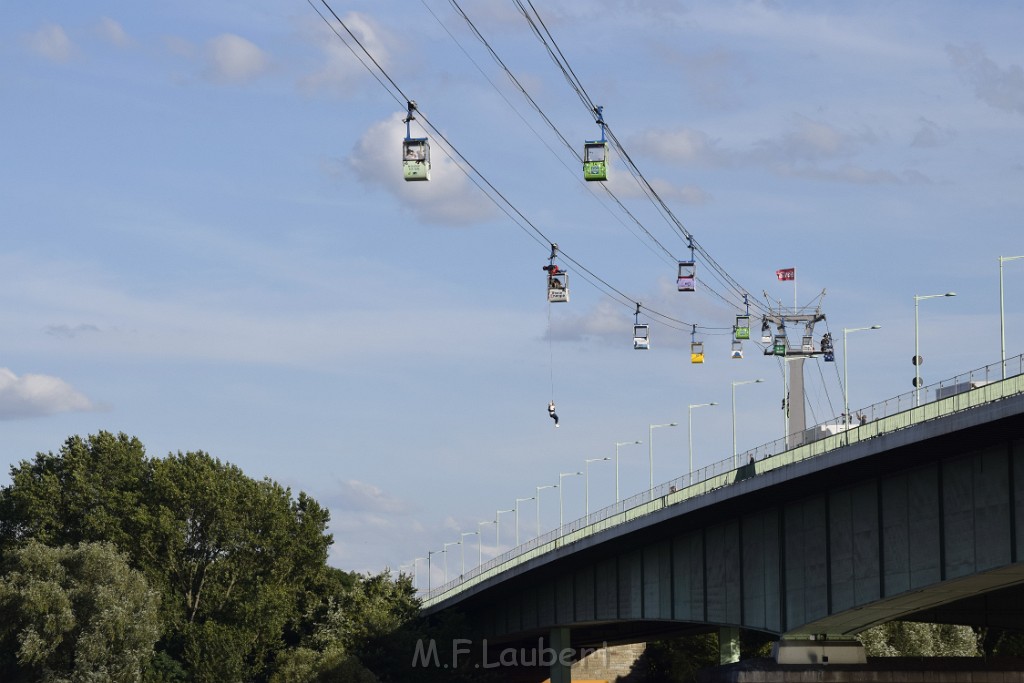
[
  {"x": 536, "y": 107},
  {"x": 551, "y": 46},
  {"x": 508, "y": 72},
  {"x": 400, "y": 98},
  {"x": 727, "y": 280},
  {"x": 558, "y": 58},
  {"x": 458, "y": 157}
]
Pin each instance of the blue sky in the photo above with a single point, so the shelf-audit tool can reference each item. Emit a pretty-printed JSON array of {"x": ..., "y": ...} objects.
[{"x": 208, "y": 244}]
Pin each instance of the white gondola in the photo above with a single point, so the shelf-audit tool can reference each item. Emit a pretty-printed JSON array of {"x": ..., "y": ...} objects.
[
  {"x": 558, "y": 287},
  {"x": 737, "y": 350},
  {"x": 415, "y": 151},
  {"x": 416, "y": 159},
  {"x": 766, "y": 335},
  {"x": 641, "y": 338},
  {"x": 687, "y": 278},
  {"x": 807, "y": 344}
]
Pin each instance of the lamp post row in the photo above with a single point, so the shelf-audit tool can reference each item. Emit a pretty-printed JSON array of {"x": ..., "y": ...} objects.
[{"x": 586, "y": 473}]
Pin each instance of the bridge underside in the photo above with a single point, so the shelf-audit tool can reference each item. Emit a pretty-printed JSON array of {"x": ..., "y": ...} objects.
[{"x": 923, "y": 529}]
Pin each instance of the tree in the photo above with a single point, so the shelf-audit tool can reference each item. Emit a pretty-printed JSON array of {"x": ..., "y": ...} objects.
[
  {"x": 92, "y": 490},
  {"x": 236, "y": 561},
  {"x": 75, "y": 614},
  {"x": 236, "y": 557},
  {"x": 915, "y": 639}
]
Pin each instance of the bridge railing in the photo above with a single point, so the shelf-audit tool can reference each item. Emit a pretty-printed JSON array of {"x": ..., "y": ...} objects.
[{"x": 962, "y": 392}]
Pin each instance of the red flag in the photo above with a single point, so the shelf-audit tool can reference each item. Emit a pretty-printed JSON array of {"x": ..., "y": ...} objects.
[{"x": 786, "y": 273}]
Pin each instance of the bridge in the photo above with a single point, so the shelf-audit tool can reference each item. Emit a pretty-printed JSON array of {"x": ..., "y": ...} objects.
[{"x": 916, "y": 514}]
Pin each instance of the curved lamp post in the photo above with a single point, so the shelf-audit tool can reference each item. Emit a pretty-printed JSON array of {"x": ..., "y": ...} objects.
[
  {"x": 539, "y": 489},
  {"x": 917, "y": 337},
  {"x": 586, "y": 469},
  {"x": 650, "y": 452},
  {"x": 561, "y": 498},
  {"x": 617, "y": 444},
  {"x": 846, "y": 382},
  {"x": 734, "y": 385},
  {"x": 518, "y": 501},
  {"x": 497, "y": 524},
  {"x": 689, "y": 411},
  {"x": 1002, "y": 318}
]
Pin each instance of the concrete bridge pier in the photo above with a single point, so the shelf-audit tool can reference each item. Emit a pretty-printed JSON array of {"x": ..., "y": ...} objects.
[
  {"x": 819, "y": 649},
  {"x": 561, "y": 666}
]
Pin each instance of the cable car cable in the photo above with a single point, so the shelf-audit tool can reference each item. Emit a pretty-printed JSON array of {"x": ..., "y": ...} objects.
[
  {"x": 533, "y": 103},
  {"x": 538, "y": 234},
  {"x": 577, "y": 86}
]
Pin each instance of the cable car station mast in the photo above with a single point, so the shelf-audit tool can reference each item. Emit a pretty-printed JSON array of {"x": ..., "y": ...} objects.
[{"x": 787, "y": 322}]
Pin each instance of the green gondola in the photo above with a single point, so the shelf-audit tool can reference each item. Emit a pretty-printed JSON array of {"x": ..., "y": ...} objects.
[
  {"x": 416, "y": 159},
  {"x": 595, "y": 153},
  {"x": 415, "y": 151},
  {"x": 595, "y": 160}
]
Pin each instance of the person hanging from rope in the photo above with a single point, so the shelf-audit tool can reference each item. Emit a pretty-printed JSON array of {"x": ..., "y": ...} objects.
[{"x": 551, "y": 412}]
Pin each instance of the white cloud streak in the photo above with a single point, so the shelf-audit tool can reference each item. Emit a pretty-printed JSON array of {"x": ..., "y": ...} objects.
[
  {"x": 114, "y": 33},
  {"x": 341, "y": 69},
  {"x": 999, "y": 87},
  {"x": 37, "y": 396},
  {"x": 233, "y": 59},
  {"x": 448, "y": 198},
  {"x": 52, "y": 42}
]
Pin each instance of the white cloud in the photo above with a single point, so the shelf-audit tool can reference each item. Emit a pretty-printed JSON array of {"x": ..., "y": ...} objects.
[
  {"x": 448, "y": 198},
  {"x": 113, "y": 32},
  {"x": 38, "y": 395},
  {"x": 359, "y": 496},
  {"x": 233, "y": 59},
  {"x": 341, "y": 68},
  {"x": 931, "y": 134},
  {"x": 681, "y": 146},
  {"x": 811, "y": 140},
  {"x": 1002, "y": 88},
  {"x": 69, "y": 332},
  {"x": 52, "y": 42}
]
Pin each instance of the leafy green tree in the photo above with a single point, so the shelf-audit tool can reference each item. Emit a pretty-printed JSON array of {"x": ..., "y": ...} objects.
[
  {"x": 75, "y": 614},
  {"x": 238, "y": 562},
  {"x": 92, "y": 490},
  {"x": 677, "y": 660},
  {"x": 915, "y": 639}
]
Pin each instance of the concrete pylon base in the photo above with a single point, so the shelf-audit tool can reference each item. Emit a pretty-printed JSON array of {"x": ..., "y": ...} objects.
[{"x": 819, "y": 652}]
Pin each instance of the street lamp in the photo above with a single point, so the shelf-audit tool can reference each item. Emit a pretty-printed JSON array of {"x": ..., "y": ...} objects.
[
  {"x": 586, "y": 469},
  {"x": 917, "y": 336},
  {"x": 617, "y": 444},
  {"x": 497, "y": 533},
  {"x": 846, "y": 382},
  {"x": 539, "y": 489},
  {"x": 480, "y": 541},
  {"x": 734, "y": 385},
  {"x": 444, "y": 550},
  {"x": 689, "y": 411},
  {"x": 429, "y": 553},
  {"x": 1002, "y": 319},
  {"x": 561, "y": 498},
  {"x": 415, "y": 570},
  {"x": 650, "y": 451},
  {"x": 518, "y": 501},
  {"x": 462, "y": 537}
]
